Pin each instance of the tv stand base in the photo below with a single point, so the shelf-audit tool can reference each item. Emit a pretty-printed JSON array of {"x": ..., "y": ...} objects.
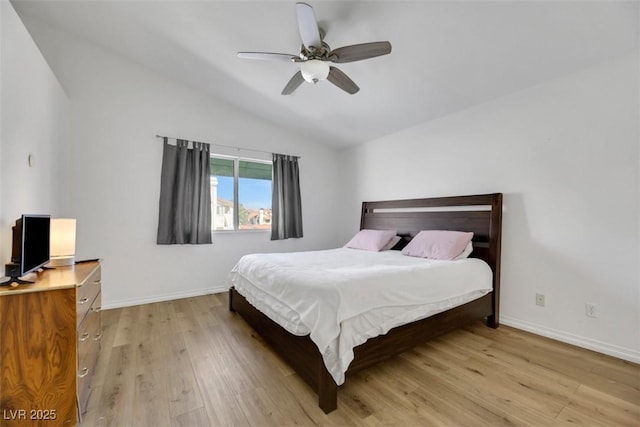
[{"x": 15, "y": 281}]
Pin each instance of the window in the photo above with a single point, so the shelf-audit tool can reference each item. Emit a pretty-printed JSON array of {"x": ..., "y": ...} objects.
[{"x": 240, "y": 193}]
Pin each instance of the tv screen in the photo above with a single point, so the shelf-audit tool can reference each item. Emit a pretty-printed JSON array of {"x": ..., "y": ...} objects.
[{"x": 31, "y": 242}]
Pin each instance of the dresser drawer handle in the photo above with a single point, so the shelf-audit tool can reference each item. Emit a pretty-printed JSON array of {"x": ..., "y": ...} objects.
[
  {"x": 83, "y": 373},
  {"x": 97, "y": 282},
  {"x": 83, "y": 300},
  {"x": 98, "y": 337},
  {"x": 84, "y": 337}
]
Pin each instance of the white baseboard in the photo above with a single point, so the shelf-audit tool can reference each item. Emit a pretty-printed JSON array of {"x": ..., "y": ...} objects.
[
  {"x": 588, "y": 343},
  {"x": 161, "y": 298}
]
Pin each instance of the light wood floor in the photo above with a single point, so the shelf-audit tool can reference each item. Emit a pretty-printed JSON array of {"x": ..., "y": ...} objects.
[{"x": 191, "y": 362}]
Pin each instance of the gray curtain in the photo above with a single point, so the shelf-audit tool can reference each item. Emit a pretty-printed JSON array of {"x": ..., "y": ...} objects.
[
  {"x": 185, "y": 197},
  {"x": 286, "y": 206}
]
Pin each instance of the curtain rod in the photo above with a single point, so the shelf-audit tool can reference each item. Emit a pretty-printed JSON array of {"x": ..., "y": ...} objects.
[{"x": 227, "y": 146}]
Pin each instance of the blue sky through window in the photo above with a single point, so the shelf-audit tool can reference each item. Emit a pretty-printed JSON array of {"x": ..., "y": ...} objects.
[{"x": 253, "y": 193}]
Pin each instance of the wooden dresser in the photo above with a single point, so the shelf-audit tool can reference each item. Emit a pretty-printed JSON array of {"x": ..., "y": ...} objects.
[{"x": 49, "y": 344}]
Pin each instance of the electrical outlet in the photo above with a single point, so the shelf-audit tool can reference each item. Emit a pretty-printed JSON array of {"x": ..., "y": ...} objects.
[
  {"x": 590, "y": 310},
  {"x": 540, "y": 300}
]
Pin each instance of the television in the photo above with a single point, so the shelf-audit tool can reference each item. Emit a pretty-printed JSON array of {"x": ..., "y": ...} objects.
[{"x": 30, "y": 247}]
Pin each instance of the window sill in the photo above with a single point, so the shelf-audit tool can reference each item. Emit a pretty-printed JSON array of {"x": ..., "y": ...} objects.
[{"x": 250, "y": 231}]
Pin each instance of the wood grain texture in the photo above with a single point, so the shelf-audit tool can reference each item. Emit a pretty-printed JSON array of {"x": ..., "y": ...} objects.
[
  {"x": 474, "y": 376},
  {"x": 60, "y": 278},
  {"x": 49, "y": 332},
  {"x": 38, "y": 357}
]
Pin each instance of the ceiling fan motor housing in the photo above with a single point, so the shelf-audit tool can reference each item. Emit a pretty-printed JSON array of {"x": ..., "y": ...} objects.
[{"x": 314, "y": 70}]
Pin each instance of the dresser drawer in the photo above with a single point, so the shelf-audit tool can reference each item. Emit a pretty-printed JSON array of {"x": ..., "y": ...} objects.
[
  {"x": 89, "y": 330},
  {"x": 89, "y": 336},
  {"x": 86, "y": 294},
  {"x": 85, "y": 374}
]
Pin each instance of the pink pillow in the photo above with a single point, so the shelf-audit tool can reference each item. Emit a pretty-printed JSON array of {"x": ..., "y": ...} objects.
[
  {"x": 371, "y": 240},
  {"x": 438, "y": 244},
  {"x": 467, "y": 251}
]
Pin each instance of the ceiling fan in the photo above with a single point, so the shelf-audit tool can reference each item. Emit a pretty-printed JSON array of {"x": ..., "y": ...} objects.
[{"x": 315, "y": 55}]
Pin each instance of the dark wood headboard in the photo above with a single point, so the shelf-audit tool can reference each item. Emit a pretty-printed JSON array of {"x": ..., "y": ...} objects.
[{"x": 481, "y": 214}]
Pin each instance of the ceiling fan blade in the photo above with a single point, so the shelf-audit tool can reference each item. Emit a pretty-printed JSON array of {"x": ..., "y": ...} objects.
[
  {"x": 308, "y": 26},
  {"x": 268, "y": 56},
  {"x": 341, "y": 80},
  {"x": 293, "y": 84},
  {"x": 358, "y": 52}
]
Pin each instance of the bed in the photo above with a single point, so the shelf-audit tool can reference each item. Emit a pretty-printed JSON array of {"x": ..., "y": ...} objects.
[{"x": 480, "y": 214}]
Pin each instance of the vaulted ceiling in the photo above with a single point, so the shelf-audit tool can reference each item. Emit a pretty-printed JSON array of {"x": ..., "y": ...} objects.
[{"x": 447, "y": 55}]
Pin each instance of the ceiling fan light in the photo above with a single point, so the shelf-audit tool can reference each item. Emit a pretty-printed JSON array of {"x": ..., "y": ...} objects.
[{"x": 314, "y": 70}]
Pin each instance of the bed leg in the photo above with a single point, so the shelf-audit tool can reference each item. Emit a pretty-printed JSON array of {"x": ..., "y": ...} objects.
[
  {"x": 492, "y": 321},
  {"x": 327, "y": 390},
  {"x": 231, "y": 309}
]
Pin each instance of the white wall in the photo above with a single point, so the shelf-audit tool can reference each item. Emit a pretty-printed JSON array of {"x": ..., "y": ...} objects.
[
  {"x": 117, "y": 108},
  {"x": 34, "y": 119},
  {"x": 565, "y": 154}
]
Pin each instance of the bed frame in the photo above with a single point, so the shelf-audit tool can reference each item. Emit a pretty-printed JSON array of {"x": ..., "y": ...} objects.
[{"x": 481, "y": 214}]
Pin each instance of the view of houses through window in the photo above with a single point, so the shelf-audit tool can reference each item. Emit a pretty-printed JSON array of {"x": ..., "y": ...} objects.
[{"x": 240, "y": 193}]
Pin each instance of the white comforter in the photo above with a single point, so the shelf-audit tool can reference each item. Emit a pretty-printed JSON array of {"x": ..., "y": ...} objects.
[{"x": 342, "y": 297}]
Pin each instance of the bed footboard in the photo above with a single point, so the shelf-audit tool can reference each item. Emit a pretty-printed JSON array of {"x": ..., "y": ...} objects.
[
  {"x": 299, "y": 352},
  {"x": 303, "y": 355}
]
